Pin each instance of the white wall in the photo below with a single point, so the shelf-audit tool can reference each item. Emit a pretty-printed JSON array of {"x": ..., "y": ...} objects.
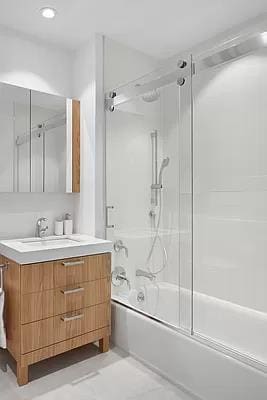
[
  {"x": 88, "y": 88},
  {"x": 230, "y": 177},
  {"x": 35, "y": 65}
]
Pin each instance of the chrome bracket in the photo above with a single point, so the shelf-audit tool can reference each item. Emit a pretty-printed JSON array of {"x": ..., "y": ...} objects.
[{"x": 109, "y": 101}]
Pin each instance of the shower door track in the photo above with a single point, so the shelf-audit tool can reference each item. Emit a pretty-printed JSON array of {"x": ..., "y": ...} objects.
[
  {"x": 229, "y": 52},
  {"x": 228, "y": 351}
]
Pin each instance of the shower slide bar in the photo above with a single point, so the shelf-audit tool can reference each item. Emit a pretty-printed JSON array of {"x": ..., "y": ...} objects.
[{"x": 186, "y": 67}]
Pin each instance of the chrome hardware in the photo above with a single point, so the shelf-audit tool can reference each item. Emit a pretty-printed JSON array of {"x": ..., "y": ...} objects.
[
  {"x": 72, "y": 263},
  {"x": 40, "y": 228},
  {"x": 180, "y": 81},
  {"x": 72, "y": 318},
  {"x": 118, "y": 246},
  {"x": 118, "y": 277},
  {"x": 156, "y": 186},
  {"x": 108, "y": 225},
  {"x": 3, "y": 267},
  {"x": 140, "y": 296},
  {"x": 145, "y": 274},
  {"x": 110, "y": 100},
  {"x": 112, "y": 94},
  {"x": 181, "y": 64},
  {"x": 71, "y": 291}
]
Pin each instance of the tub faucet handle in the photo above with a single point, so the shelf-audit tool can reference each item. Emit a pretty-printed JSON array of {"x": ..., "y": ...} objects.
[{"x": 118, "y": 246}]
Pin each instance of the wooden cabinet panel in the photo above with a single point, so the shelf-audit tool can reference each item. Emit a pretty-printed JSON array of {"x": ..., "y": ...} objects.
[
  {"x": 48, "y": 303},
  {"x": 36, "y": 277},
  {"x": 81, "y": 295},
  {"x": 36, "y": 306},
  {"x": 76, "y": 270},
  {"x": 54, "y": 306},
  {"x": 82, "y": 321},
  {"x": 37, "y": 335}
]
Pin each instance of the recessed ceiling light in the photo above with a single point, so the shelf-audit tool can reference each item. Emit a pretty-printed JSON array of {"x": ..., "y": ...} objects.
[{"x": 48, "y": 12}]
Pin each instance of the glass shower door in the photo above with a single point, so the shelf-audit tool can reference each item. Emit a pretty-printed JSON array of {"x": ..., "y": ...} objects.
[
  {"x": 230, "y": 204},
  {"x": 148, "y": 161}
]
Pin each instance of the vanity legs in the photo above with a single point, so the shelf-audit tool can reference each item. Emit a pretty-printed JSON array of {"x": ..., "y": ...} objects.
[
  {"x": 104, "y": 344},
  {"x": 22, "y": 374}
]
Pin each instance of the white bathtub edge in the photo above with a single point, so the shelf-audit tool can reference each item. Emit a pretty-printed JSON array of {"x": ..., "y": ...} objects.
[{"x": 204, "y": 373}]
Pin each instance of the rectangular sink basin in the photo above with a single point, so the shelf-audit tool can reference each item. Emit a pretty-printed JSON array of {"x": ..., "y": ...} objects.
[
  {"x": 48, "y": 242},
  {"x": 34, "y": 250}
]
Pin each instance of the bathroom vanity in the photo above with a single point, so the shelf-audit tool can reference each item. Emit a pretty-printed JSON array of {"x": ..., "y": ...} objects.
[{"x": 53, "y": 303}]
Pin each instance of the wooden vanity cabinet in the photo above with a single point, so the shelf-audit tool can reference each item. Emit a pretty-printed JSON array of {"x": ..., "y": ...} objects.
[{"x": 53, "y": 307}]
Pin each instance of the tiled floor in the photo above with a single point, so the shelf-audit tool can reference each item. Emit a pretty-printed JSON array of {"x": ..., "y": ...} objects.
[{"x": 84, "y": 374}]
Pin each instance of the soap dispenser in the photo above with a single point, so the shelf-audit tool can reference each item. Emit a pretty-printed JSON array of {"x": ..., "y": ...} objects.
[{"x": 68, "y": 224}]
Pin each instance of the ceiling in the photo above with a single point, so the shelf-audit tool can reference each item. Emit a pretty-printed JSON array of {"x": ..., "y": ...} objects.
[{"x": 159, "y": 28}]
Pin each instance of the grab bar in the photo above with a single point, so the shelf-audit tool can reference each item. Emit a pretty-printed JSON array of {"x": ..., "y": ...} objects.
[{"x": 108, "y": 225}]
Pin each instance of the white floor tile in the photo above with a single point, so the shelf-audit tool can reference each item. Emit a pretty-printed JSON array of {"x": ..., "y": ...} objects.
[{"x": 85, "y": 374}]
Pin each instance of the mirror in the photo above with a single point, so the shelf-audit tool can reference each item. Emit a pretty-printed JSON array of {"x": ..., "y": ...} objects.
[{"x": 39, "y": 141}]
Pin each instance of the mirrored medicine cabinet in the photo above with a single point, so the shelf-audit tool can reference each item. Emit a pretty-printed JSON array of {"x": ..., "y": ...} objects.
[{"x": 39, "y": 141}]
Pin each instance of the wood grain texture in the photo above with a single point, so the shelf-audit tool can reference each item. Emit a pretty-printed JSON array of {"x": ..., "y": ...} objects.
[
  {"x": 93, "y": 268},
  {"x": 22, "y": 374},
  {"x": 37, "y": 335},
  {"x": 12, "y": 307},
  {"x": 75, "y": 146},
  {"x": 36, "y": 306},
  {"x": 64, "y": 346},
  {"x": 49, "y": 303},
  {"x": 104, "y": 344},
  {"x": 94, "y": 292},
  {"x": 36, "y": 277}
]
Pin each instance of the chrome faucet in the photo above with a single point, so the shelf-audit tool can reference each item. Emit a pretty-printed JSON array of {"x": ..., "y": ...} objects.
[
  {"x": 41, "y": 227},
  {"x": 118, "y": 277},
  {"x": 145, "y": 274},
  {"x": 118, "y": 246}
]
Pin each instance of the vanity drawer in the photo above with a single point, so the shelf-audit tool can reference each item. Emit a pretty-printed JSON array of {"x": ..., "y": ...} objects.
[
  {"x": 37, "y": 335},
  {"x": 81, "y": 295},
  {"x": 37, "y": 306},
  {"x": 36, "y": 277},
  {"x": 73, "y": 324},
  {"x": 72, "y": 271}
]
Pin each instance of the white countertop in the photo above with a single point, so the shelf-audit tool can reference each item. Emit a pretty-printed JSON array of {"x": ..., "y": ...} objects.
[{"x": 34, "y": 250}]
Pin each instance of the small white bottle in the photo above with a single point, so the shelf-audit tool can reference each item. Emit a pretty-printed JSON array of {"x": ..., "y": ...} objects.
[
  {"x": 68, "y": 225},
  {"x": 58, "y": 227}
]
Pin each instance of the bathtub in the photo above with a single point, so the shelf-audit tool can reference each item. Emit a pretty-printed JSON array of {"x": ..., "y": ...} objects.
[{"x": 193, "y": 362}]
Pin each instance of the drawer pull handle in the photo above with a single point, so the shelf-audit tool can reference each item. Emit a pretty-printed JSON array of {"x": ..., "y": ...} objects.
[
  {"x": 72, "y": 263},
  {"x": 71, "y": 291},
  {"x": 73, "y": 318}
]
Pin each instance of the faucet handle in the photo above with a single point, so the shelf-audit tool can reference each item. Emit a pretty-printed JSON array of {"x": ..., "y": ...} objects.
[
  {"x": 118, "y": 246},
  {"x": 40, "y": 229}
]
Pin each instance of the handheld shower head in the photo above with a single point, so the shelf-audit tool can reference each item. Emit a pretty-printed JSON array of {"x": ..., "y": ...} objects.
[{"x": 164, "y": 164}]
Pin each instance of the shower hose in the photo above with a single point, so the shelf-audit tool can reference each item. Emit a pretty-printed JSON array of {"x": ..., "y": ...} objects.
[{"x": 154, "y": 241}]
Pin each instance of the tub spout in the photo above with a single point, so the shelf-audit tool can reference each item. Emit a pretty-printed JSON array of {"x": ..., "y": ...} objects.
[{"x": 145, "y": 274}]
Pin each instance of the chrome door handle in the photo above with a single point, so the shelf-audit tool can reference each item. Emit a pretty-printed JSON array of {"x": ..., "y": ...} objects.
[
  {"x": 108, "y": 225},
  {"x": 72, "y": 263},
  {"x": 71, "y": 291},
  {"x": 73, "y": 318}
]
